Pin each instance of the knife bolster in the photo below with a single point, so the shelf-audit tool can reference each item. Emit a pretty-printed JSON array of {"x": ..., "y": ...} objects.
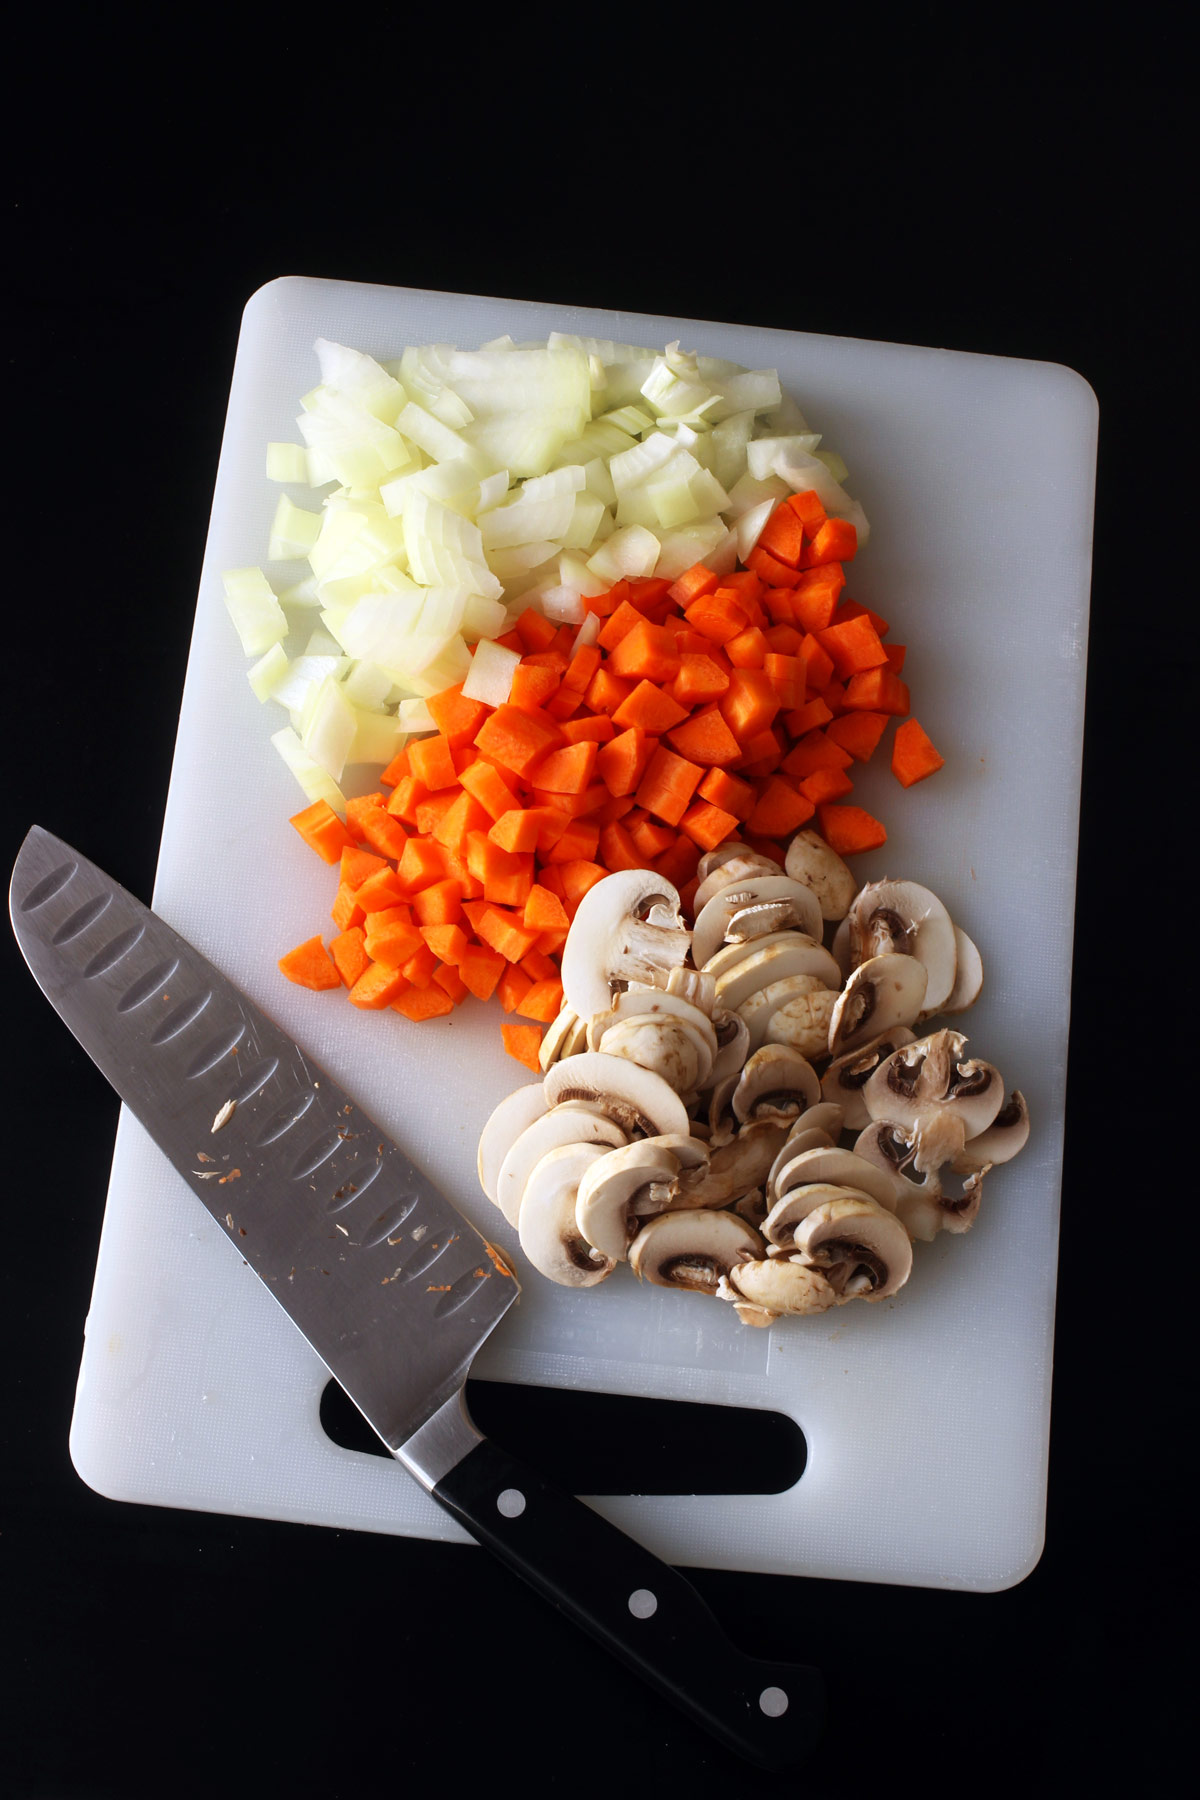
[{"x": 441, "y": 1443}]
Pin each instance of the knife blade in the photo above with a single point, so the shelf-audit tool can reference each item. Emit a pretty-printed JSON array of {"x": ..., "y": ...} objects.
[{"x": 392, "y": 1286}]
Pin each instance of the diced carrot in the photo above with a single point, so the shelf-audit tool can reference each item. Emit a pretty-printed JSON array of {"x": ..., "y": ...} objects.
[
  {"x": 854, "y": 645},
  {"x": 516, "y": 831},
  {"x": 834, "y": 542},
  {"x": 481, "y": 968},
  {"x": 808, "y": 509},
  {"x": 618, "y": 850},
  {"x": 345, "y": 910},
  {"x": 537, "y": 966},
  {"x": 432, "y": 763},
  {"x": 532, "y": 686},
  {"x": 396, "y": 770},
  {"x": 606, "y": 691},
  {"x": 815, "y": 663},
  {"x": 576, "y": 806},
  {"x": 544, "y": 911},
  {"x": 384, "y": 888},
  {"x": 765, "y": 746},
  {"x": 523, "y": 1042},
  {"x": 385, "y": 834},
  {"x": 438, "y": 904},
  {"x": 784, "y": 640},
  {"x": 552, "y": 822},
  {"x": 581, "y": 668},
  {"x": 750, "y": 703},
  {"x": 647, "y": 653},
  {"x": 834, "y": 696},
  {"x": 699, "y": 680},
  {"x": 809, "y": 717},
  {"x": 406, "y": 798},
  {"x": 707, "y": 825},
  {"x": 566, "y": 771},
  {"x": 824, "y": 785},
  {"x": 310, "y": 965},
  {"x": 451, "y": 982},
  {"x": 717, "y": 616},
  {"x": 857, "y": 732},
  {"x": 852, "y": 609},
  {"x": 322, "y": 830},
  {"x": 705, "y": 738},
  {"x": 542, "y": 1000},
  {"x": 464, "y": 816},
  {"x": 624, "y": 620},
  {"x": 393, "y": 945},
  {"x": 563, "y": 704},
  {"x": 356, "y": 810},
  {"x": 770, "y": 571},
  {"x": 815, "y": 751},
  {"x": 516, "y": 738},
  {"x": 512, "y": 987},
  {"x": 550, "y": 943},
  {"x": 614, "y": 808},
  {"x": 535, "y": 631},
  {"x": 786, "y": 675},
  {"x": 511, "y": 640},
  {"x": 848, "y": 829},
  {"x": 728, "y": 792},
  {"x": 577, "y": 844},
  {"x": 420, "y": 967},
  {"x": 747, "y": 649},
  {"x": 349, "y": 954},
  {"x": 678, "y": 864},
  {"x": 577, "y": 878},
  {"x": 913, "y": 754},
  {"x": 485, "y": 782},
  {"x": 668, "y": 785},
  {"x": 456, "y": 718},
  {"x": 783, "y": 536},
  {"x": 650, "y": 838},
  {"x": 448, "y": 942},
  {"x": 877, "y": 690},
  {"x": 620, "y": 763},
  {"x": 896, "y": 654},
  {"x": 816, "y": 595},
  {"x": 420, "y": 864},
  {"x": 377, "y": 987},
  {"x": 421, "y": 1003},
  {"x": 433, "y": 809},
  {"x": 648, "y": 590},
  {"x": 693, "y": 584},
  {"x": 780, "y": 810},
  {"x": 650, "y": 709},
  {"x": 598, "y": 727},
  {"x": 357, "y": 864},
  {"x": 504, "y": 933}
]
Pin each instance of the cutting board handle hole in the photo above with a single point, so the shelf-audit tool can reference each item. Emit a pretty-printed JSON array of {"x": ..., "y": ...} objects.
[{"x": 592, "y": 1443}]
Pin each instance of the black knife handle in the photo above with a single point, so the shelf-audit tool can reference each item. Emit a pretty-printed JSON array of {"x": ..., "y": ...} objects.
[{"x": 636, "y": 1606}]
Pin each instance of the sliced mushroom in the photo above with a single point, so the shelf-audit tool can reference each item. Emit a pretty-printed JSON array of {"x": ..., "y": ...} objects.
[
  {"x": 939, "y": 1098},
  {"x": 799, "y": 1013},
  {"x": 846, "y": 1077},
  {"x": 636, "y": 1098},
  {"x": 714, "y": 919},
  {"x": 626, "y": 928},
  {"x": 746, "y": 867},
  {"x": 968, "y": 975},
  {"x": 795, "y": 1145},
  {"x": 833, "y": 1164},
  {"x": 713, "y": 859},
  {"x": 771, "y": 959},
  {"x": 916, "y": 1199},
  {"x": 575, "y": 1122},
  {"x": 790, "y": 1210},
  {"x": 657, "y": 1004},
  {"x": 565, "y": 1031},
  {"x": 733, "y": 1046},
  {"x": 818, "y": 1126},
  {"x": 733, "y": 1168},
  {"x": 549, "y": 1235},
  {"x": 883, "y": 992},
  {"x": 606, "y": 1205},
  {"x": 904, "y": 918},
  {"x": 515, "y": 1112},
  {"x": 776, "y": 1083},
  {"x": 775, "y": 1287},
  {"x": 1007, "y": 1133},
  {"x": 810, "y": 860},
  {"x": 862, "y": 1250},
  {"x": 669, "y": 1047},
  {"x": 693, "y": 1250}
]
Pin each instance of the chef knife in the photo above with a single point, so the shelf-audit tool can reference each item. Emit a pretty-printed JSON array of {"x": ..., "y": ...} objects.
[{"x": 392, "y": 1286}]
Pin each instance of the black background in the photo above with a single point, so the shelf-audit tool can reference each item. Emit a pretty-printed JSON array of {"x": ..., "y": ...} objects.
[{"x": 982, "y": 190}]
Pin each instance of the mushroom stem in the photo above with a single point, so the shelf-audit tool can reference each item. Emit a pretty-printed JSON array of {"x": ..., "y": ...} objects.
[{"x": 645, "y": 950}]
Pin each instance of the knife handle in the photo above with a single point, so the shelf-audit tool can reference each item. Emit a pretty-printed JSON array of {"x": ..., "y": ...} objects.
[{"x": 639, "y": 1608}]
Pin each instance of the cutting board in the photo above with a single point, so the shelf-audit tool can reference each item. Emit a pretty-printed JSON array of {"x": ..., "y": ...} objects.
[{"x": 926, "y": 1416}]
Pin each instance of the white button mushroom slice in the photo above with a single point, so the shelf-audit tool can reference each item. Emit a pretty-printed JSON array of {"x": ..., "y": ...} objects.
[
  {"x": 693, "y": 985},
  {"x": 573, "y": 1123},
  {"x": 781, "y": 1287},
  {"x": 669, "y": 1047},
  {"x": 722, "y": 1121},
  {"x": 815, "y": 1128},
  {"x": 782, "y": 1222},
  {"x": 655, "y": 1002},
  {"x": 713, "y": 919},
  {"x": 752, "y": 1207},
  {"x": 881, "y": 993},
  {"x": 1007, "y": 1133},
  {"x": 636, "y": 1098},
  {"x": 776, "y": 1083},
  {"x": 862, "y": 1250},
  {"x": 903, "y": 917},
  {"x": 811, "y": 1005},
  {"x": 606, "y": 1206},
  {"x": 772, "y": 958},
  {"x": 797, "y": 1142},
  {"x": 840, "y": 950},
  {"x": 613, "y": 939},
  {"x": 565, "y": 1026},
  {"x": 690, "y": 1153},
  {"x": 916, "y": 1200},
  {"x": 549, "y": 1235},
  {"x": 733, "y": 1167},
  {"x": 844, "y": 1167},
  {"x": 810, "y": 860},
  {"x": 968, "y": 975},
  {"x": 846, "y": 1077},
  {"x": 713, "y": 859},
  {"x": 733, "y": 1047},
  {"x": 514, "y": 1114},
  {"x": 693, "y": 1250},
  {"x": 939, "y": 1098},
  {"x": 746, "y": 867}
]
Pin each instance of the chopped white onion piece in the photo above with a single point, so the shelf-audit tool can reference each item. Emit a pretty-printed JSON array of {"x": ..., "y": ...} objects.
[
  {"x": 633, "y": 551},
  {"x": 327, "y": 728},
  {"x": 491, "y": 676},
  {"x": 750, "y": 525},
  {"x": 287, "y": 462},
  {"x": 588, "y": 632},
  {"x": 414, "y": 715},
  {"x": 367, "y": 686},
  {"x": 303, "y": 677},
  {"x": 316, "y": 782},
  {"x": 257, "y": 615},
  {"x": 293, "y": 531},
  {"x": 265, "y": 675},
  {"x": 562, "y": 604},
  {"x": 377, "y": 737}
]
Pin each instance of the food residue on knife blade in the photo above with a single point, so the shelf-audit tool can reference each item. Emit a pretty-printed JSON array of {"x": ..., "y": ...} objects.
[{"x": 224, "y": 1115}]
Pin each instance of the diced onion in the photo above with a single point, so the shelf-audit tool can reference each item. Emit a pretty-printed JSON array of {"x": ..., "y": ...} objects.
[{"x": 492, "y": 669}]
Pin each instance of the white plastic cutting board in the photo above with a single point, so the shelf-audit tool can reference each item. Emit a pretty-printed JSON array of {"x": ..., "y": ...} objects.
[{"x": 926, "y": 1417}]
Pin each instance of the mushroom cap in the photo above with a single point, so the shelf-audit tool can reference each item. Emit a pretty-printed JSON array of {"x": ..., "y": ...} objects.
[
  {"x": 808, "y": 1004},
  {"x": 769, "y": 959},
  {"x": 775, "y": 1081},
  {"x": 810, "y": 860},
  {"x": 882, "y": 992},
  {"x": 779, "y": 1286},
  {"x": 708, "y": 933},
  {"x": 562, "y": 1034},
  {"x": 612, "y": 938},
  {"x": 790, "y": 1209},
  {"x": 927, "y": 1087},
  {"x": 733, "y": 1046},
  {"x": 862, "y": 1249},
  {"x": 846, "y": 1077},
  {"x": 575, "y": 1122},
  {"x": 1007, "y": 1133},
  {"x": 693, "y": 1250},
  {"x": 723, "y": 853},
  {"x": 549, "y": 1235},
  {"x": 670, "y": 1047},
  {"x": 904, "y": 917},
  {"x": 842, "y": 1167},
  {"x": 811, "y": 1138},
  {"x": 657, "y": 1003},
  {"x": 745, "y": 867},
  {"x": 916, "y": 1201},
  {"x": 637, "y": 1098},
  {"x": 603, "y": 1206},
  {"x": 968, "y": 975},
  {"x": 505, "y": 1125}
]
